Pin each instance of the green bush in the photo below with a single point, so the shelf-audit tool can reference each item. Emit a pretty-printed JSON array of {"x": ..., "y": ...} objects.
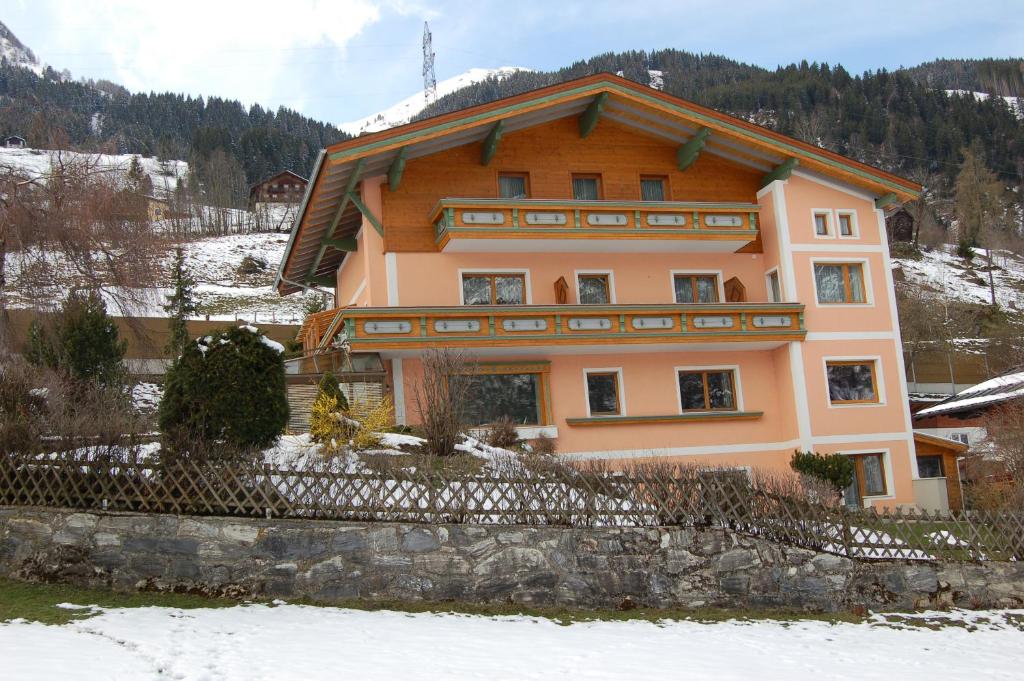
[
  {"x": 329, "y": 386},
  {"x": 230, "y": 387},
  {"x": 835, "y": 469}
]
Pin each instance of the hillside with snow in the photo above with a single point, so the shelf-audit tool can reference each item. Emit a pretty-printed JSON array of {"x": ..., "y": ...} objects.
[
  {"x": 1015, "y": 104},
  {"x": 403, "y": 112},
  {"x": 36, "y": 163},
  {"x": 941, "y": 274},
  {"x": 14, "y": 52}
]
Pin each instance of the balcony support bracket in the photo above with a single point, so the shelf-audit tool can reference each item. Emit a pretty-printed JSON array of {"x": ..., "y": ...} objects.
[
  {"x": 883, "y": 201},
  {"x": 395, "y": 171},
  {"x": 589, "y": 118},
  {"x": 353, "y": 180},
  {"x": 780, "y": 172},
  {"x": 491, "y": 143},
  {"x": 688, "y": 153}
]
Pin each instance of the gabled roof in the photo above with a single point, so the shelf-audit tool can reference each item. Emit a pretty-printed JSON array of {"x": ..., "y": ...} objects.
[
  {"x": 1009, "y": 386},
  {"x": 275, "y": 176},
  {"x": 340, "y": 167},
  {"x": 954, "y": 446}
]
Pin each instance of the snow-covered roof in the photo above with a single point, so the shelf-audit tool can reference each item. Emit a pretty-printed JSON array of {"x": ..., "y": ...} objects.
[{"x": 1003, "y": 388}]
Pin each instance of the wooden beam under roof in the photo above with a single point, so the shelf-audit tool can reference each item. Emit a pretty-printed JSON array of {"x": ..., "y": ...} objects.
[
  {"x": 689, "y": 152},
  {"x": 367, "y": 213},
  {"x": 395, "y": 170},
  {"x": 322, "y": 280},
  {"x": 353, "y": 180},
  {"x": 883, "y": 201},
  {"x": 491, "y": 143},
  {"x": 347, "y": 244},
  {"x": 589, "y": 118},
  {"x": 780, "y": 172}
]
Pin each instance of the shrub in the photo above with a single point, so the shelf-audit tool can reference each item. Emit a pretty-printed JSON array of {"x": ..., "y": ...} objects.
[
  {"x": 252, "y": 265},
  {"x": 82, "y": 343},
  {"x": 371, "y": 419},
  {"x": 325, "y": 423},
  {"x": 502, "y": 433},
  {"x": 835, "y": 469},
  {"x": 543, "y": 445},
  {"x": 441, "y": 398},
  {"x": 329, "y": 386},
  {"x": 965, "y": 249},
  {"x": 229, "y": 386}
]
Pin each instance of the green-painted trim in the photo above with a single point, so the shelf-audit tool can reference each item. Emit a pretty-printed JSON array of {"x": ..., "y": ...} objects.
[
  {"x": 352, "y": 181},
  {"x": 396, "y": 169},
  {"x": 578, "y": 310},
  {"x": 515, "y": 218},
  {"x": 668, "y": 418},
  {"x": 589, "y": 118},
  {"x": 584, "y": 232},
  {"x": 347, "y": 244},
  {"x": 609, "y": 86},
  {"x": 688, "y": 153},
  {"x": 368, "y": 214},
  {"x": 573, "y": 204},
  {"x": 724, "y": 335},
  {"x": 491, "y": 143},
  {"x": 781, "y": 171},
  {"x": 576, "y": 218},
  {"x": 883, "y": 201},
  {"x": 323, "y": 280}
]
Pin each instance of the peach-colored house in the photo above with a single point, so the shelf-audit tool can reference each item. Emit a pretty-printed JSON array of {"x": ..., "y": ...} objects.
[{"x": 637, "y": 276}]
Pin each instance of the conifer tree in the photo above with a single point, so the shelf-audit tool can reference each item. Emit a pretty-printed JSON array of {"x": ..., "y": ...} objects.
[
  {"x": 980, "y": 207},
  {"x": 180, "y": 305}
]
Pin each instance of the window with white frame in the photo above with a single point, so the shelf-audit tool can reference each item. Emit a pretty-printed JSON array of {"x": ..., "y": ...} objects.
[
  {"x": 695, "y": 288},
  {"x": 594, "y": 288},
  {"x": 840, "y": 283},
  {"x": 603, "y": 398},
  {"x": 822, "y": 223},
  {"x": 774, "y": 287},
  {"x": 481, "y": 288},
  {"x": 847, "y": 224},
  {"x": 707, "y": 389},
  {"x": 852, "y": 381}
]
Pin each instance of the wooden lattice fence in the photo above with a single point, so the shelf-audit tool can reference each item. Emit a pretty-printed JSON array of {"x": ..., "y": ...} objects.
[{"x": 651, "y": 497}]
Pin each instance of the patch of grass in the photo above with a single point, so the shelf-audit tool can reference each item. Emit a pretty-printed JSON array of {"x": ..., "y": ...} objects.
[{"x": 38, "y": 602}]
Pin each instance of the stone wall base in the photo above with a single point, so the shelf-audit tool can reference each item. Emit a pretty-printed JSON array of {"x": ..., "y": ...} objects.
[{"x": 591, "y": 568}]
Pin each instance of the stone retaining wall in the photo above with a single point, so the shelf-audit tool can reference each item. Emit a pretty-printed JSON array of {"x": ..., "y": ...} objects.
[{"x": 599, "y": 567}]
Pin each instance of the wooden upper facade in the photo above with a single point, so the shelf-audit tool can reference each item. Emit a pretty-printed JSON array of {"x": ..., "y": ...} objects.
[
  {"x": 284, "y": 187},
  {"x": 604, "y": 126}
]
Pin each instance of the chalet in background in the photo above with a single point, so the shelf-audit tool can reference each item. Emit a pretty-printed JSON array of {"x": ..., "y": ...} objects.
[
  {"x": 14, "y": 142},
  {"x": 637, "y": 276},
  {"x": 284, "y": 187}
]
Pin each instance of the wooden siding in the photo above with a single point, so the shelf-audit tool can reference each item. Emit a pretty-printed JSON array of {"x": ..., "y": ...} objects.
[
  {"x": 550, "y": 153},
  {"x": 926, "y": 446}
]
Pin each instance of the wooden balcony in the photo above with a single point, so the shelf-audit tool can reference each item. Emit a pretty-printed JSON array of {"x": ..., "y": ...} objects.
[
  {"x": 520, "y": 326},
  {"x": 564, "y": 226}
]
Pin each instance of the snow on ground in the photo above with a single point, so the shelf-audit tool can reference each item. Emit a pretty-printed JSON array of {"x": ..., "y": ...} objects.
[
  {"x": 37, "y": 162},
  {"x": 403, "y": 112},
  {"x": 283, "y": 642},
  {"x": 941, "y": 272},
  {"x": 146, "y": 396}
]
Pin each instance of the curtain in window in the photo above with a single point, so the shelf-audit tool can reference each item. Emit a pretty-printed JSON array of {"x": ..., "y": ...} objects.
[
  {"x": 820, "y": 224},
  {"x": 652, "y": 190},
  {"x": 512, "y": 186},
  {"x": 830, "y": 283},
  {"x": 584, "y": 188},
  {"x": 476, "y": 290},
  {"x": 707, "y": 290},
  {"x": 493, "y": 396},
  {"x": 874, "y": 479},
  {"x": 509, "y": 290},
  {"x": 856, "y": 284},
  {"x": 684, "y": 290},
  {"x": 593, "y": 290},
  {"x": 720, "y": 390}
]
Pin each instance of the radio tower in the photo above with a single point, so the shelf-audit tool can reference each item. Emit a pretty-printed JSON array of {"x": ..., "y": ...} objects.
[{"x": 429, "y": 79}]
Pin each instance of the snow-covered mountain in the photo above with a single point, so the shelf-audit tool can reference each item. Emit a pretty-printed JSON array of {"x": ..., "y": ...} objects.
[
  {"x": 15, "y": 52},
  {"x": 402, "y": 112}
]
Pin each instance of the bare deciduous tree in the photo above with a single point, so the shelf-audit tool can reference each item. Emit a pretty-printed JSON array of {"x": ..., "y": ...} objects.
[{"x": 441, "y": 397}]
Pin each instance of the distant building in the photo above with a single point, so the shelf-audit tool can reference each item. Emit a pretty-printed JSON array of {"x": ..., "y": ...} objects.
[
  {"x": 14, "y": 142},
  {"x": 157, "y": 209},
  {"x": 284, "y": 187},
  {"x": 900, "y": 225}
]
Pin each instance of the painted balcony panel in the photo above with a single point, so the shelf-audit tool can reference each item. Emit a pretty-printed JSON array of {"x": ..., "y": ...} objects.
[
  {"x": 514, "y": 326},
  {"x": 550, "y": 225}
]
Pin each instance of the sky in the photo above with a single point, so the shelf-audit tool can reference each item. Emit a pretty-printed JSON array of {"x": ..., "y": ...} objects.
[{"x": 339, "y": 60}]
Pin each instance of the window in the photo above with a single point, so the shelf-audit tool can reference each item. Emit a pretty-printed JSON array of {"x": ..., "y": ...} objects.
[
  {"x": 586, "y": 187},
  {"x": 594, "y": 289},
  {"x": 774, "y": 287},
  {"x": 846, "y": 224},
  {"x": 512, "y": 186},
  {"x": 707, "y": 390},
  {"x": 868, "y": 479},
  {"x": 495, "y": 396},
  {"x": 839, "y": 283},
  {"x": 696, "y": 288},
  {"x": 821, "y": 223},
  {"x": 851, "y": 382},
  {"x": 493, "y": 289},
  {"x": 652, "y": 188},
  {"x": 930, "y": 467},
  {"x": 961, "y": 437},
  {"x": 603, "y": 393}
]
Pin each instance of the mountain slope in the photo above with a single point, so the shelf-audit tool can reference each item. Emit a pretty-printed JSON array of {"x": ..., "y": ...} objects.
[
  {"x": 403, "y": 112},
  {"x": 14, "y": 53}
]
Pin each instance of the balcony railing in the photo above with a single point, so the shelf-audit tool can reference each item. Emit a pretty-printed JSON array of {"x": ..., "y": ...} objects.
[
  {"x": 379, "y": 328},
  {"x": 562, "y": 224}
]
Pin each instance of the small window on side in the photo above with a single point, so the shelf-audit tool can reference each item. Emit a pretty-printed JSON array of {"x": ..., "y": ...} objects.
[
  {"x": 845, "y": 224},
  {"x": 603, "y": 393},
  {"x": 821, "y": 224},
  {"x": 652, "y": 188},
  {"x": 930, "y": 467},
  {"x": 774, "y": 287}
]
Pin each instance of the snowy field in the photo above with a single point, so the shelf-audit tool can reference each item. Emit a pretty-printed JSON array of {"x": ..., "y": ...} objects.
[
  {"x": 941, "y": 272},
  {"x": 262, "y": 642}
]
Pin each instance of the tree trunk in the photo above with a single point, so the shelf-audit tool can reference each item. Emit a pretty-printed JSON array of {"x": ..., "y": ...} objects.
[{"x": 991, "y": 278}]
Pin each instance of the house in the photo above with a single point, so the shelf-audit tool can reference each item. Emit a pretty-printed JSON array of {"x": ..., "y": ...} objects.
[
  {"x": 939, "y": 487},
  {"x": 14, "y": 142},
  {"x": 637, "y": 276},
  {"x": 157, "y": 208},
  {"x": 961, "y": 416},
  {"x": 899, "y": 224},
  {"x": 284, "y": 187}
]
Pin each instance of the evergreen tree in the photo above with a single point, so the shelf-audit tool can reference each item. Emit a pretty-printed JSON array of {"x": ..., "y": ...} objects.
[
  {"x": 330, "y": 386},
  {"x": 180, "y": 305},
  {"x": 980, "y": 207}
]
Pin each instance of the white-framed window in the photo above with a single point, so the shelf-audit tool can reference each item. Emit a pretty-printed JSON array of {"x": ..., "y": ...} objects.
[
  {"x": 841, "y": 281},
  {"x": 774, "y": 285},
  {"x": 708, "y": 388},
  {"x": 494, "y": 287},
  {"x": 595, "y": 287},
  {"x": 697, "y": 286},
  {"x": 846, "y": 224},
  {"x": 854, "y": 381},
  {"x": 821, "y": 221},
  {"x": 603, "y": 391}
]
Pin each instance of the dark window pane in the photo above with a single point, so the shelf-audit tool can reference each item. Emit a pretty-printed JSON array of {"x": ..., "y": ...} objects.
[
  {"x": 684, "y": 290},
  {"x": 493, "y": 396},
  {"x": 774, "y": 290},
  {"x": 512, "y": 186},
  {"x": 652, "y": 189},
  {"x": 720, "y": 390},
  {"x": 476, "y": 290},
  {"x": 603, "y": 393},
  {"x": 851, "y": 382},
  {"x": 593, "y": 289},
  {"x": 584, "y": 188},
  {"x": 691, "y": 391},
  {"x": 930, "y": 466},
  {"x": 509, "y": 290}
]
